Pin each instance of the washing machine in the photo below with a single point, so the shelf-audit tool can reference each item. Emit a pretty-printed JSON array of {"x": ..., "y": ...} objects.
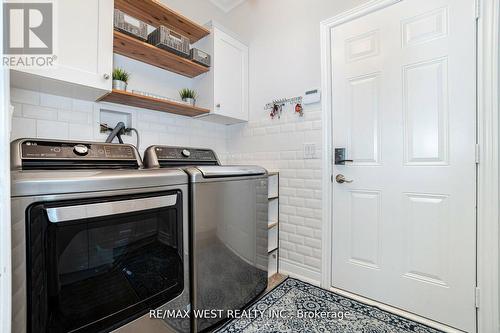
[
  {"x": 228, "y": 230},
  {"x": 98, "y": 242}
]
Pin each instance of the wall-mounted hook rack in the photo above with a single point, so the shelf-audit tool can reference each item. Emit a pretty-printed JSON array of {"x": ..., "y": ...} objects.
[
  {"x": 277, "y": 106},
  {"x": 283, "y": 102}
]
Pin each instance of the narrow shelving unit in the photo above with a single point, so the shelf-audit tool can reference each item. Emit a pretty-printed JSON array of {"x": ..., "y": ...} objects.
[
  {"x": 273, "y": 223},
  {"x": 151, "y": 103}
]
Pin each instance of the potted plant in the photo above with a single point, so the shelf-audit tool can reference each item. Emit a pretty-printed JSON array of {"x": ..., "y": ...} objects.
[
  {"x": 120, "y": 79},
  {"x": 188, "y": 96}
]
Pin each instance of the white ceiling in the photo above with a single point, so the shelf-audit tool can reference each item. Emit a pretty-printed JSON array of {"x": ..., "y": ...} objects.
[{"x": 227, "y": 5}]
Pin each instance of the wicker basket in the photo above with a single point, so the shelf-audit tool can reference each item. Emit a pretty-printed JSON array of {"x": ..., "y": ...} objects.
[
  {"x": 200, "y": 57},
  {"x": 130, "y": 25},
  {"x": 169, "y": 40}
]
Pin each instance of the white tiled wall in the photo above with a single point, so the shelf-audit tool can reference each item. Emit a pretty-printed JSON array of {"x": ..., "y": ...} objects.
[
  {"x": 277, "y": 144},
  {"x": 48, "y": 116}
]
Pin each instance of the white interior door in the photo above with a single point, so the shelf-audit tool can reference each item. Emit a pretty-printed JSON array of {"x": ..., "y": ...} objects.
[{"x": 404, "y": 107}]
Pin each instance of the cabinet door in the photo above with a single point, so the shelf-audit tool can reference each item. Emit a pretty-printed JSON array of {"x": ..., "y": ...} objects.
[
  {"x": 230, "y": 77},
  {"x": 84, "y": 44}
]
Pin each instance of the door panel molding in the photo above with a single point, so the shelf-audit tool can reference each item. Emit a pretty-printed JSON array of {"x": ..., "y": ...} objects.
[
  {"x": 427, "y": 241},
  {"x": 362, "y": 46},
  {"x": 365, "y": 118},
  {"x": 365, "y": 223},
  {"x": 410, "y": 27},
  {"x": 488, "y": 169},
  {"x": 420, "y": 120}
]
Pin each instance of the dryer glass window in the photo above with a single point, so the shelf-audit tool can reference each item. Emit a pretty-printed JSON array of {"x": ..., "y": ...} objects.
[{"x": 95, "y": 264}]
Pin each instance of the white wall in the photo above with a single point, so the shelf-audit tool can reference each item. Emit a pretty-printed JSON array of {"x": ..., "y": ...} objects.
[
  {"x": 284, "y": 42},
  {"x": 5, "y": 229}
]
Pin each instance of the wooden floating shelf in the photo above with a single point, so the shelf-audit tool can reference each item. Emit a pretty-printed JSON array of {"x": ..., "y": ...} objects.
[
  {"x": 151, "y": 103},
  {"x": 136, "y": 49},
  {"x": 155, "y": 13}
]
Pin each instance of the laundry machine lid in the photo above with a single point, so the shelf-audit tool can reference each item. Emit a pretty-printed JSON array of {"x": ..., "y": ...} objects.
[
  {"x": 212, "y": 173},
  {"x": 231, "y": 171},
  {"x": 52, "y": 182}
]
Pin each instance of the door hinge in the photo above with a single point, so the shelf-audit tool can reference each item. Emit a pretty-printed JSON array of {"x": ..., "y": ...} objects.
[
  {"x": 477, "y": 299},
  {"x": 331, "y": 178},
  {"x": 478, "y": 9},
  {"x": 477, "y": 154}
]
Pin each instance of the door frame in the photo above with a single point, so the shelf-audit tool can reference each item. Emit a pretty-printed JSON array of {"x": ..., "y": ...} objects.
[{"x": 487, "y": 274}]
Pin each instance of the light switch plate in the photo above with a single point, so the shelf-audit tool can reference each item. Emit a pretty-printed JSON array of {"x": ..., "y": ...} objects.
[{"x": 309, "y": 150}]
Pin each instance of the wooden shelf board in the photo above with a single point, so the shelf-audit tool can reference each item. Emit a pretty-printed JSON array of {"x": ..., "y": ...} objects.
[
  {"x": 136, "y": 49},
  {"x": 155, "y": 13},
  {"x": 151, "y": 103}
]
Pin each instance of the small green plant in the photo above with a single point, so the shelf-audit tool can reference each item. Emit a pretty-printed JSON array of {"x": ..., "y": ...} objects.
[
  {"x": 187, "y": 93},
  {"x": 121, "y": 75}
]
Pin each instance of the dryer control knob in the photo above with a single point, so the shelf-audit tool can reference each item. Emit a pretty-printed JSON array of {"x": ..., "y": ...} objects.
[
  {"x": 186, "y": 153},
  {"x": 81, "y": 150}
]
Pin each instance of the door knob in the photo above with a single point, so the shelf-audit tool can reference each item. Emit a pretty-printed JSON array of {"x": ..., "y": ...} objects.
[
  {"x": 106, "y": 76},
  {"x": 341, "y": 179}
]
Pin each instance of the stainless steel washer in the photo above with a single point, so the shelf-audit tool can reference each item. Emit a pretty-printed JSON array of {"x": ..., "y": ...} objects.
[
  {"x": 228, "y": 229},
  {"x": 97, "y": 242}
]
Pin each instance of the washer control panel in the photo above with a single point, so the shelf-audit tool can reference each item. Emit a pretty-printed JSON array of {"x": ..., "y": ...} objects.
[
  {"x": 181, "y": 154},
  {"x": 71, "y": 150}
]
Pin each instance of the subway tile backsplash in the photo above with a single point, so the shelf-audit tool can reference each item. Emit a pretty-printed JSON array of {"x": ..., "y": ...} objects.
[
  {"x": 49, "y": 116},
  {"x": 277, "y": 144}
]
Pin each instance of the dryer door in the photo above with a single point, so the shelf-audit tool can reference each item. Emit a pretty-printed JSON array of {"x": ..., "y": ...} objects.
[{"x": 94, "y": 264}]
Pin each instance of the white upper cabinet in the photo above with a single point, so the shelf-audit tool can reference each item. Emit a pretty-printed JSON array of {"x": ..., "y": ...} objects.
[
  {"x": 224, "y": 90},
  {"x": 83, "y": 32}
]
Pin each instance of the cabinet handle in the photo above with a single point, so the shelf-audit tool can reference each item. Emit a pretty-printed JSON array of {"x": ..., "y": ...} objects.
[
  {"x": 106, "y": 76},
  {"x": 217, "y": 105}
]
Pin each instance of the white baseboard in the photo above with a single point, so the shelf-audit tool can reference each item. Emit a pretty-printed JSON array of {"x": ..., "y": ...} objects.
[
  {"x": 308, "y": 275},
  {"x": 396, "y": 311},
  {"x": 299, "y": 272}
]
